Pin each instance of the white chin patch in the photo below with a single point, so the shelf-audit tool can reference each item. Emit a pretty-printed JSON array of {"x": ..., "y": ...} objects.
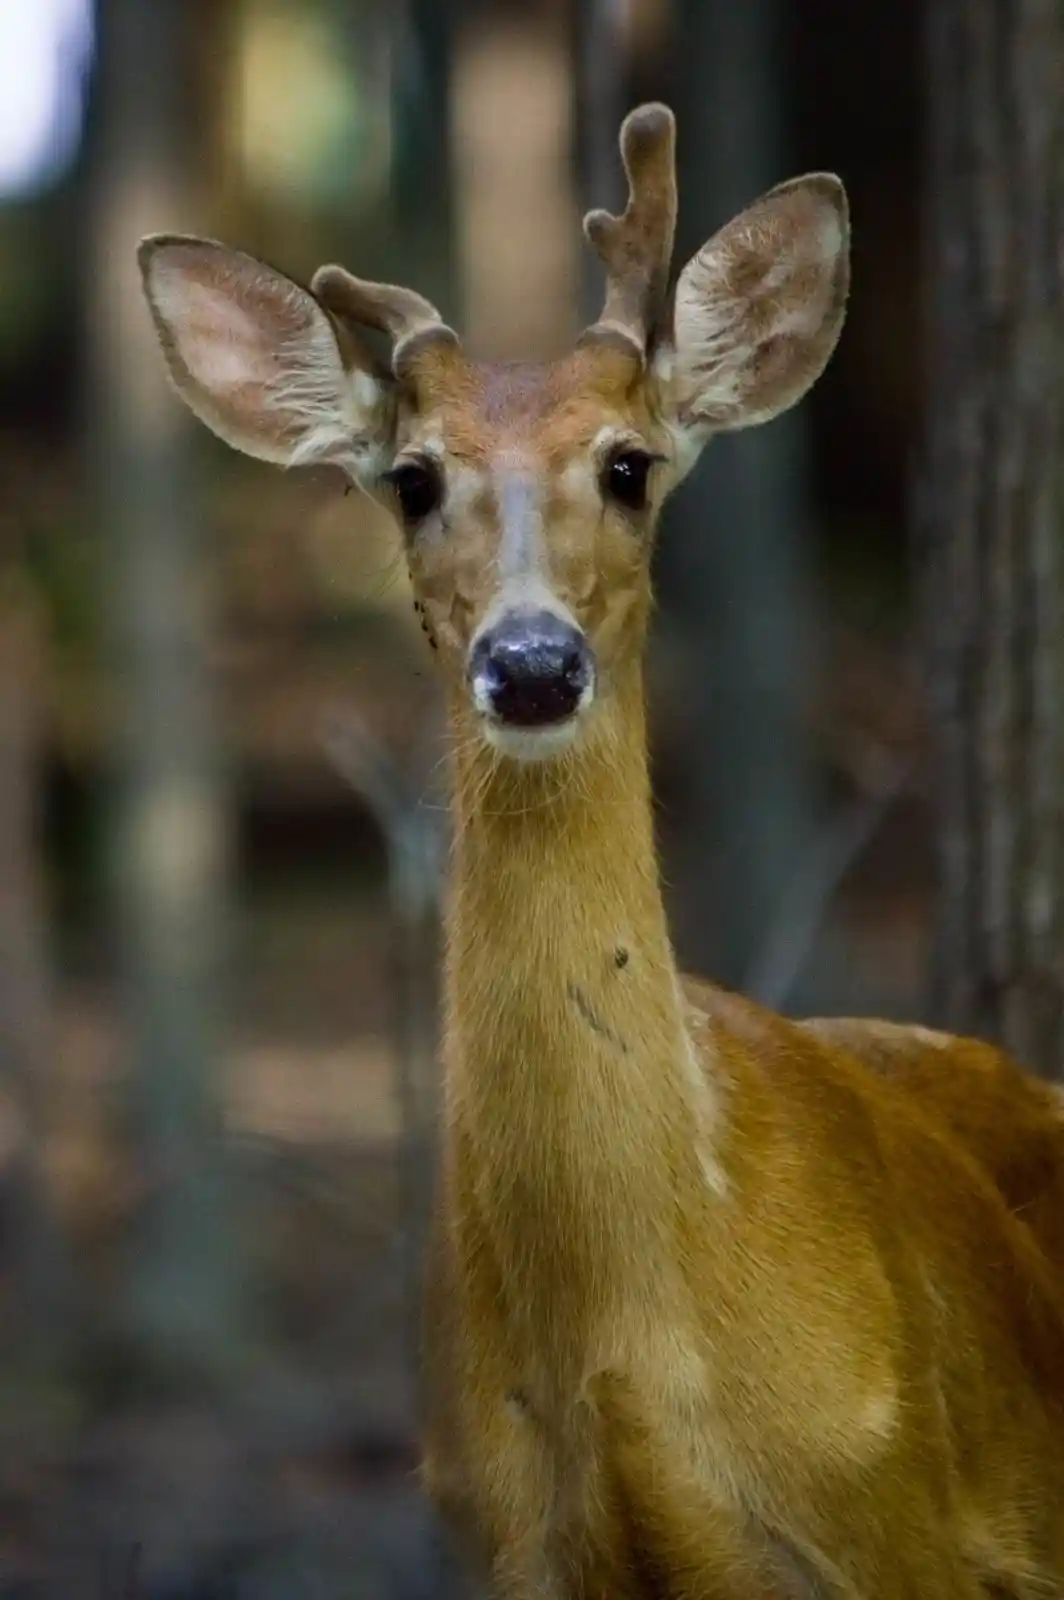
[{"x": 532, "y": 744}]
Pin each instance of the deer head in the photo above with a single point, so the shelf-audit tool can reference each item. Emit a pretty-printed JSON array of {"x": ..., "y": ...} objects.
[{"x": 527, "y": 495}]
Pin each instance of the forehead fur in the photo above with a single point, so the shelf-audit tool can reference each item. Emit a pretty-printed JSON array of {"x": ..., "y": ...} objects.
[{"x": 551, "y": 407}]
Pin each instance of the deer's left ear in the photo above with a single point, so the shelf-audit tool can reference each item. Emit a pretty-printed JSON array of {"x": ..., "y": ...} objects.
[{"x": 758, "y": 310}]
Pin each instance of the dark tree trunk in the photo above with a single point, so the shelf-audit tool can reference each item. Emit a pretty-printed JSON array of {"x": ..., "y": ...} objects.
[
  {"x": 601, "y": 73},
  {"x": 733, "y": 578},
  {"x": 423, "y": 35},
  {"x": 992, "y": 526}
]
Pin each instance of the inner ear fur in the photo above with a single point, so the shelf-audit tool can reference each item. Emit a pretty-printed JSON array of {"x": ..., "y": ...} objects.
[{"x": 758, "y": 310}]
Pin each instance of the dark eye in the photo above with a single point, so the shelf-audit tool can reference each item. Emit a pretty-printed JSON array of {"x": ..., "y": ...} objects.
[
  {"x": 418, "y": 488},
  {"x": 625, "y": 478}
]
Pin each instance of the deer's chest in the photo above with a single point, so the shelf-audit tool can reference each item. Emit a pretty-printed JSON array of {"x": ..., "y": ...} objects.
[
  {"x": 611, "y": 1433},
  {"x": 606, "y": 1489}
]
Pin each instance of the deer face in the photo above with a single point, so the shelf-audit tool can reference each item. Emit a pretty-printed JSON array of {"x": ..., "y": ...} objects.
[
  {"x": 526, "y": 495},
  {"x": 527, "y": 508}
]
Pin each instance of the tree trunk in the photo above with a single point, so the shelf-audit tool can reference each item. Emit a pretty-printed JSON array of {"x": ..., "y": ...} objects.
[
  {"x": 993, "y": 532},
  {"x": 169, "y": 819},
  {"x": 422, "y": 180},
  {"x": 601, "y": 73},
  {"x": 39, "y": 1259},
  {"x": 733, "y": 577}
]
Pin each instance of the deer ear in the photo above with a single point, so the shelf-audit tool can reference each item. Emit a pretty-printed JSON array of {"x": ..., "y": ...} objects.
[
  {"x": 259, "y": 361},
  {"x": 759, "y": 309}
]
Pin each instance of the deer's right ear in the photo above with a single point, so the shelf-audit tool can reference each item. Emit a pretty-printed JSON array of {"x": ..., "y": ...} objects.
[{"x": 259, "y": 360}]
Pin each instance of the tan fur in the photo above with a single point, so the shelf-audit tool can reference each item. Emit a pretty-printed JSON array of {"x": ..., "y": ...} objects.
[
  {"x": 720, "y": 1306},
  {"x": 839, "y": 1368}
]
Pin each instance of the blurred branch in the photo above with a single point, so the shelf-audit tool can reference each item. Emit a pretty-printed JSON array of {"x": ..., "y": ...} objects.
[
  {"x": 405, "y": 799},
  {"x": 401, "y": 797},
  {"x": 803, "y": 908}
]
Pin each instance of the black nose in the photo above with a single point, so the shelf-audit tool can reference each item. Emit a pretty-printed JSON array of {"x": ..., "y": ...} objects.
[{"x": 533, "y": 667}]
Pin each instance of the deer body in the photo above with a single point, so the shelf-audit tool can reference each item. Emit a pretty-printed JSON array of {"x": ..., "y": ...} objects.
[
  {"x": 720, "y": 1306},
  {"x": 711, "y": 1300}
]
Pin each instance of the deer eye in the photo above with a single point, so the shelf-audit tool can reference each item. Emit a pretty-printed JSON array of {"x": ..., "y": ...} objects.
[
  {"x": 625, "y": 478},
  {"x": 418, "y": 487}
]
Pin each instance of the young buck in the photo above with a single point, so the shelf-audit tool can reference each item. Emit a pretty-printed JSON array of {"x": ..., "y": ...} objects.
[{"x": 722, "y": 1306}]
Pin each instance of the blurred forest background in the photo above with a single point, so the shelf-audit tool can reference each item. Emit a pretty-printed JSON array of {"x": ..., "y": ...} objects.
[{"x": 221, "y": 805}]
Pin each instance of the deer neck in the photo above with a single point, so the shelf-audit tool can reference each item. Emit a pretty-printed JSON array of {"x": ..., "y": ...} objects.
[{"x": 574, "y": 1106}]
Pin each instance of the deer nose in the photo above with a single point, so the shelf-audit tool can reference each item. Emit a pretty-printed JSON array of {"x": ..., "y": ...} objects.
[{"x": 531, "y": 669}]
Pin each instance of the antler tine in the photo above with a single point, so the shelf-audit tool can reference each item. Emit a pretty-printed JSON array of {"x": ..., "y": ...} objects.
[
  {"x": 636, "y": 247},
  {"x": 403, "y": 314}
]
